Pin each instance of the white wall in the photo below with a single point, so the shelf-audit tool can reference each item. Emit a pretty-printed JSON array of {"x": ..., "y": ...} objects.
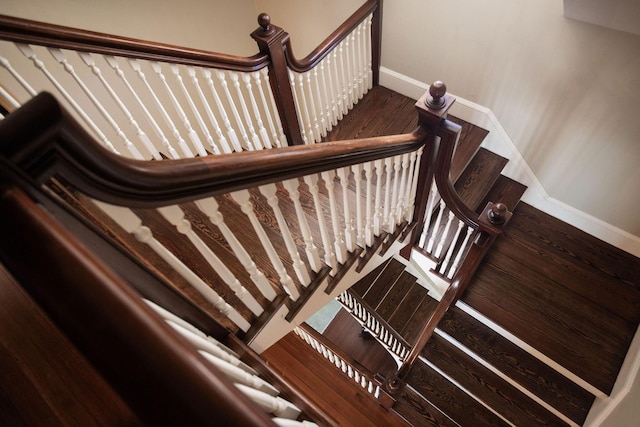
[
  {"x": 215, "y": 25},
  {"x": 567, "y": 93}
]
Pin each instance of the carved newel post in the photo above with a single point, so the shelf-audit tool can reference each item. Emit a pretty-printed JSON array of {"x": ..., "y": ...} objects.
[{"x": 272, "y": 41}]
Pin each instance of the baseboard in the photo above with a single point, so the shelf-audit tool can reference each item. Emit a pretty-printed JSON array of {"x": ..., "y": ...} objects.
[{"x": 499, "y": 142}]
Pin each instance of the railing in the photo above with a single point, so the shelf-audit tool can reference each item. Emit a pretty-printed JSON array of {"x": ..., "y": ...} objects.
[
  {"x": 148, "y": 100},
  {"x": 376, "y": 325},
  {"x": 352, "y": 369}
]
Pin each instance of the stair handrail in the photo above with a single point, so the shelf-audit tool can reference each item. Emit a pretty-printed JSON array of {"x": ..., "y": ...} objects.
[
  {"x": 163, "y": 379},
  {"x": 21, "y": 30},
  {"x": 60, "y": 147}
]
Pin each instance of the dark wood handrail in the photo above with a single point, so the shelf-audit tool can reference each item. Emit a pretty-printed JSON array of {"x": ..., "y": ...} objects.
[
  {"x": 313, "y": 58},
  {"x": 449, "y": 133},
  {"x": 33, "y": 32},
  {"x": 58, "y": 146},
  {"x": 162, "y": 378}
]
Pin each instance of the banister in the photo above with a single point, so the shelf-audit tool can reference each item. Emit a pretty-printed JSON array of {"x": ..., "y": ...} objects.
[
  {"x": 313, "y": 58},
  {"x": 33, "y": 32},
  {"x": 58, "y": 147},
  {"x": 163, "y": 379}
]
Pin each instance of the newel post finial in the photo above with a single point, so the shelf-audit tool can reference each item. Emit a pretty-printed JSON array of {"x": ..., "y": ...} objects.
[
  {"x": 266, "y": 29},
  {"x": 435, "y": 99},
  {"x": 497, "y": 213}
]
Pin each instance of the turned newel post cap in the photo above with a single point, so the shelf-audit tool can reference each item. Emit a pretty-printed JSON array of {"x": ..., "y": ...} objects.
[
  {"x": 264, "y": 20},
  {"x": 497, "y": 214},
  {"x": 435, "y": 99}
]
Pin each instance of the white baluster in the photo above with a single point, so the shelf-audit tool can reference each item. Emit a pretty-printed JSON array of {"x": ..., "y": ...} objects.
[
  {"x": 394, "y": 193},
  {"x": 270, "y": 404},
  {"x": 231, "y": 133},
  {"x": 62, "y": 60},
  {"x": 368, "y": 228},
  {"x": 436, "y": 226},
  {"x": 299, "y": 106},
  {"x": 239, "y": 376},
  {"x": 31, "y": 55},
  {"x": 415, "y": 174},
  {"x": 329, "y": 256},
  {"x": 349, "y": 230},
  {"x": 353, "y": 70},
  {"x": 386, "y": 214},
  {"x": 133, "y": 225},
  {"x": 357, "y": 175},
  {"x": 91, "y": 63},
  {"x": 461, "y": 251},
  {"x": 274, "y": 110},
  {"x": 369, "y": 75},
  {"x": 225, "y": 87},
  {"x": 175, "y": 216},
  {"x": 343, "y": 78},
  {"x": 265, "y": 143},
  {"x": 186, "y": 151},
  {"x": 193, "y": 135},
  {"x": 339, "y": 244},
  {"x": 443, "y": 238},
  {"x": 317, "y": 131},
  {"x": 224, "y": 144},
  {"x": 403, "y": 188},
  {"x": 377, "y": 214},
  {"x": 269, "y": 191},
  {"x": 210, "y": 207},
  {"x": 265, "y": 107},
  {"x": 243, "y": 198},
  {"x": 431, "y": 200},
  {"x": 8, "y": 98},
  {"x": 305, "y": 110},
  {"x": 447, "y": 258},
  {"x": 255, "y": 141},
  {"x": 331, "y": 87},
  {"x": 361, "y": 58},
  {"x": 311, "y": 250},
  {"x": 7, "y": 66},
  {"x": 325, "y": 100},
  {"x": 115, "y": 65}
]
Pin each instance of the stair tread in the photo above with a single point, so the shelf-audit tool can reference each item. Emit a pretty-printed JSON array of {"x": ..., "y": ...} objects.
[
  {"x": 407, "y": 307},
  {"x": 479, "y": 176},
  {"x": 418, "y": 411},
  {"x": 481, "y": 382},
  {"x": 383, "y": 283},
  {"x": 458, "y": 405},
  {"x": 396, "y": 294},
  {"x": 362, "y": 286},
  {"x": 419, "y": 318},
  {"x": 471, "y": 137},
  {"x": 528, "y": 305},
  {"x": 505, "y": 190},
  {"x": 546, "y": 383}
]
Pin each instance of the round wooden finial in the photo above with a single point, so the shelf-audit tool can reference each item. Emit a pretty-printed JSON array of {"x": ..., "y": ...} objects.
[
  {"x": 436, "y": 100},
  {"x": 264, "y": 20},
  {"x": 498, "y": 213}
]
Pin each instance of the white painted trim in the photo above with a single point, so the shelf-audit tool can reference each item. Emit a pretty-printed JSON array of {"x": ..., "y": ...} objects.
[{"x": 499, "y": 142}]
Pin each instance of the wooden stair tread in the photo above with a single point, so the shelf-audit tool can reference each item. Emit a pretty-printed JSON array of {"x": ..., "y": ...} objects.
[
  {"x": 494, "y": 391},
  {"x": 407, "y": 307},
  {"x": 479, "y": 176},
  {"x": 504, "y": 190},
  {"x": 379, "y": 289},
  {"x": 418, "y": 411},
  {"x": 362, "y": 286},
  {"x": 471, "y": 137},
  {"x": 412, "y": 330},
  {"x": 513, "y": 297},
  {"x": 458, "y": 405},
  {"x": 537, "y": 377},
  {"x": 396, "y": 294}
]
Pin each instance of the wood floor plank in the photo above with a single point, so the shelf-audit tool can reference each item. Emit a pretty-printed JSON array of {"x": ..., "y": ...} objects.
[
  {"x": 383, "y": 283},
  {"x": 411, "y": 332},
  {"x": 468, "y": 145},
  {"x": 479, "y": 176},
  {"x": 506, "y": 191},
  {"x": 390, "y": 302},
  {"x": 407, "y": 307},
  {"x": 418, "y": 411}
]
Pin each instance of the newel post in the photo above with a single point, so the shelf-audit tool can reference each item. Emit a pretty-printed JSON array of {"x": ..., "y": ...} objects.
[
  {"x": 272, "y": 41},
  {"x": 432, "y": 108}
]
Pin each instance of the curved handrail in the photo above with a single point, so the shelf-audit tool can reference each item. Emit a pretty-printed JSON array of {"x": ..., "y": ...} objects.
[
  {"x": 58, "y": 147},
  {"x": 33, "y": 32},
  {"x": 313, "y": 58},
  {"x": 449, "y": 133},
  {"x": 163, "y": 379}
]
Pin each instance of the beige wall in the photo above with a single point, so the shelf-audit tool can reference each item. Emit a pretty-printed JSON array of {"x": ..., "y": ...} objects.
[
  {"x": 215, "y": 25},
  {"x": 568, "y": 93}
]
